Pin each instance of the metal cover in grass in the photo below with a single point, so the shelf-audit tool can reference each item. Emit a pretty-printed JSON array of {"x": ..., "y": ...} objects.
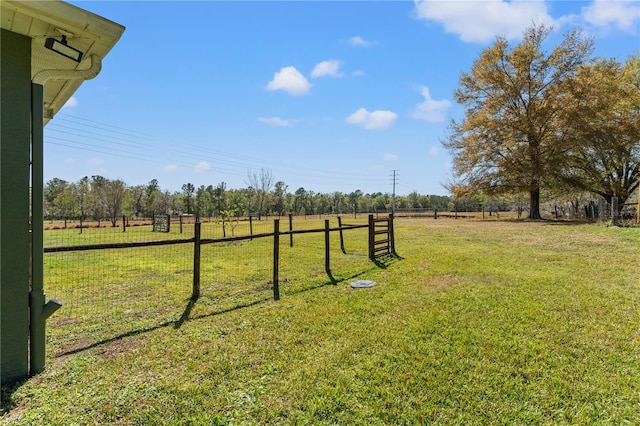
[{"x": 362, "y": 283}]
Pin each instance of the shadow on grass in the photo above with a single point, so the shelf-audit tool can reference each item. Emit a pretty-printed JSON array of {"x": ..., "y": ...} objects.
[
  {"x": 186, "y": 316},
  {"x": 562, "y": 222},
  {"x": 332, "y": 281},
  {"x": 6, "y": 395},
  {"x": 382, "y": 262},
  {"x": 176, "y": 324},
  {"x": 548, "y": 221}
]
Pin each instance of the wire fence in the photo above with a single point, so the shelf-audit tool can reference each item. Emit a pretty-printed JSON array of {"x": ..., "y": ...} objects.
[{"x": 118, "y": 281}]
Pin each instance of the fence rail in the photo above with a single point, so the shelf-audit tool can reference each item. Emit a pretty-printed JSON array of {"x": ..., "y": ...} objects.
[
  {"x": 118, "y": 283},
  {"x": 377, "y": 247}
]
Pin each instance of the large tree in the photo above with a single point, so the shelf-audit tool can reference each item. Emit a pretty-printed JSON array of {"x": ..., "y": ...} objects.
[
  {"x": 137, "y": 200},
  {"x": 114, "y": 195},
  {"x": 511, "y": 138},
  {"x": 300, "y": 203},
  {"x": 83, "y": 194},
  {"x": 353, "y": 200},
  {"x": 603, "y": 122},
  {"x": 219, "y": 198},
  {"x": 260, "y": 185},
  {"x": 279, "y": 195},
  {"x": 53, "y": 190},
  {"x": 204, "y": 201},
  {"x": 188, "y": 189},
  {"x": 151, "y": 192},
  {"x": 97, "y": 202}
]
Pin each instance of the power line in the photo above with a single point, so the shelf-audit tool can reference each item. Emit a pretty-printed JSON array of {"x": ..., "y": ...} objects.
[
  {"x": 200, "y": 150},
  {"x": 93, "y": 150},
  {"x": 102, "y": 125},
  {"x": 93, "y": 136}
]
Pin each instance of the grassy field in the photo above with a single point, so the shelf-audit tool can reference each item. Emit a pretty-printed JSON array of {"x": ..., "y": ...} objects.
[{"x": 478, "y": 322}]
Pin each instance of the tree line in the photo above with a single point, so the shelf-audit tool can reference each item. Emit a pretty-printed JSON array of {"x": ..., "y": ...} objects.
[
  {"x": 560, "y": 122},
  {"x": 98, "y": 198}
]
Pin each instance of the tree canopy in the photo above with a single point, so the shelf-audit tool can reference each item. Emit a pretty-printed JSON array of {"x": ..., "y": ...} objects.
[
  {"x": 100, "y": 198},
  {"x": 603, "y": 126},
  {"x": 512, "y": 138}
]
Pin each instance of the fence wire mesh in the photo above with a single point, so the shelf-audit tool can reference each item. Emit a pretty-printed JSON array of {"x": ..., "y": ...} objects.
[{"x": 113, "y": 292}]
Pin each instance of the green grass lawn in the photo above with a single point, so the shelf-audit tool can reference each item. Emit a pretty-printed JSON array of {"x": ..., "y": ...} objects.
[{"x": 496, "y": 322}]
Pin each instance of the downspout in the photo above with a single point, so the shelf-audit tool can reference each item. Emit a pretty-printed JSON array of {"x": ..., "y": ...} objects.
[
  {"x": 39, "y": 310},
  {"x": 87, "y": 74}
]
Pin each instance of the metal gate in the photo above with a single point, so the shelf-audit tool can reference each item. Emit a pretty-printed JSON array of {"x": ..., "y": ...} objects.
[{"x": 161, "y": 223}]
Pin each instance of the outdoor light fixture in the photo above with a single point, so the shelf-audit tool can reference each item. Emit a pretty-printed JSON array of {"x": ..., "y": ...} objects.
[{"x": 62, "y": 48}]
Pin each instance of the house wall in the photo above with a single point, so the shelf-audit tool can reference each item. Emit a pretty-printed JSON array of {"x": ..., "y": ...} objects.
[{"x": 15, "y": 137}]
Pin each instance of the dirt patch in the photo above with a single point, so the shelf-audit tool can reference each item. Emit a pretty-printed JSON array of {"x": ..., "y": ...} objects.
[{"x": 118, "y": 347}]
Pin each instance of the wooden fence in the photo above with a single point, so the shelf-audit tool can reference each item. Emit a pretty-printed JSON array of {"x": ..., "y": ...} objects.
[{"x": 381, "y": 243}]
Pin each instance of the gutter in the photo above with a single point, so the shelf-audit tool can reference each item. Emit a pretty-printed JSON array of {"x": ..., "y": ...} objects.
[
  {"x": 69, "y": 17},
  {"x": 43, "y": 76}
]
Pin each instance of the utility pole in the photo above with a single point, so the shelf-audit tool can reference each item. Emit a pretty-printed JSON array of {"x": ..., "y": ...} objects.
[{"x": 393, "y": 196}]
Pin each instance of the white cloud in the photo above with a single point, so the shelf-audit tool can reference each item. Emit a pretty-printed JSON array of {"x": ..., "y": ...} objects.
[
  {"x": 359, "y": 41},
  {"x": 291, "y": 81},
  {"x": 275, "y": 121},
  {"x": 203, "y": 166},
  {"x": 357, "y": 73},
  {"x": 482, "y": 21},
  {"x": 375, "y": 120},
  {"x": 327, "y": 68},
  {"x": 389, "y": 157},
  {"x": 72, "y": 102},
  {"x": 623, "y": 15},
  {"x": 433, "y": 151},
  {"x": 431, "y": 110},
  {"x": 170, "y": 168}
]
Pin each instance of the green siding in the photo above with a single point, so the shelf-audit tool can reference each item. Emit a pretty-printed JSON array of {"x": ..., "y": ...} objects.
[{"x": 15, "y": 135}]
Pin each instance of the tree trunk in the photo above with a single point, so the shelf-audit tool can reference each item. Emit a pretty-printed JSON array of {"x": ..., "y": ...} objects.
[{"x": 534, "y": 204}]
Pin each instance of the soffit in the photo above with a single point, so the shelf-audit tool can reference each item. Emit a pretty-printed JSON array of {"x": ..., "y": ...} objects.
[{"x": 85, "y": 31}]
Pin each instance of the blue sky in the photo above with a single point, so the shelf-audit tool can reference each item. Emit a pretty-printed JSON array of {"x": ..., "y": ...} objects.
[{"x": 328, "y": 95}]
